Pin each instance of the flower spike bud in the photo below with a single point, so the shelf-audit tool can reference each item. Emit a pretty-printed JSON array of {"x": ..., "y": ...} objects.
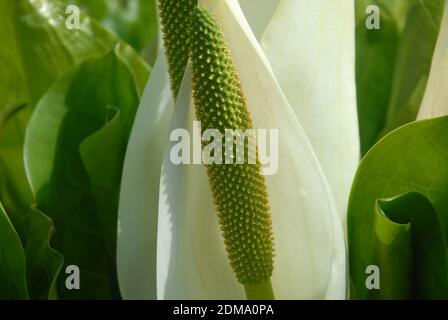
[
  {"x": 175, "y": 20},
  {"x": 239, "y": 190}
]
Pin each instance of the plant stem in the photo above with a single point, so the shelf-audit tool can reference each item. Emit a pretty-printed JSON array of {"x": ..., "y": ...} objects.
[{"x": 261, "y": 291}]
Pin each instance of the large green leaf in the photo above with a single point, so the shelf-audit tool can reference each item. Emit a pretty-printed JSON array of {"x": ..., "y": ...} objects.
[
  {"x": 393, "y": 63},
  {"x": 74, "y": 149},
  {"x": 375, "y": 60},
  {"x": 12, "y": 261},
  {"x": 414, "y": 56},
  {"x": 37, "y": 49},
  {"x": 412, "y": 159}
]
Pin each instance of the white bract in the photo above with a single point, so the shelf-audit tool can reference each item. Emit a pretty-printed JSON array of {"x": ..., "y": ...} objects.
[
  {"x": 311, "y": 48},
  {"x": 169, "y": 241}
]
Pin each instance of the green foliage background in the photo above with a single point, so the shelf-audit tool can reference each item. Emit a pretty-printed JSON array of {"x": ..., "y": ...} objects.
[{"x": 67, "y": 101}]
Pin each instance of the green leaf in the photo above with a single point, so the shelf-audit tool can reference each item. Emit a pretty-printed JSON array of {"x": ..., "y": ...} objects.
[
  {"x": 410, "y": 110},
  {"x": 12, "y": 261},
  {"x": 412, "y": 159},
  {"x": 134, "y": 21},
  {"x": 393, "y": 256},
  {"x": 15, "y": 192},
  {"x": 415, "y": 53},
  {"x": 47, "y": 48},
  {"x": 393, "y": 63},
  {"x": 80, "y": 125},
  {"x": 399, "y": 9},
  {"x": 37, "y": 49},
  {"x": 139, "y": 69},
  {"x": 375, "y": 60},
  {"x": 435, "y": 99},
  {"x": 410, "y": 249},
  {"x": 43, "y": 262},
  {"x": 102, "y": 154}
]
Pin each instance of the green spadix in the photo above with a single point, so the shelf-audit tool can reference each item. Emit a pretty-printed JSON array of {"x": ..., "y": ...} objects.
[
  {"x": 239, "y": 190},
  {"x": 175, "y": 20}
]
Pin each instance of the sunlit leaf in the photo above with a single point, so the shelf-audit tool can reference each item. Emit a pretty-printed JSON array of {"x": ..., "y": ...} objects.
[
  {"x": 393, "y": 63},
  {"x": 410, "y": 159},
  {"x": 37, "y": 49},
  {"x": 74, "y": 149}
]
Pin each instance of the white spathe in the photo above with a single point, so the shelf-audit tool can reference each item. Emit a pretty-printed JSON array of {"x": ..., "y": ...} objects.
[
  {"x": 435, "y": 100},
  {"x": 309, "y": 243},
  {"x": 310, "y": 45},
  {"x": 139, "y": 193},
  {"x": 184, "y": 241}
]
